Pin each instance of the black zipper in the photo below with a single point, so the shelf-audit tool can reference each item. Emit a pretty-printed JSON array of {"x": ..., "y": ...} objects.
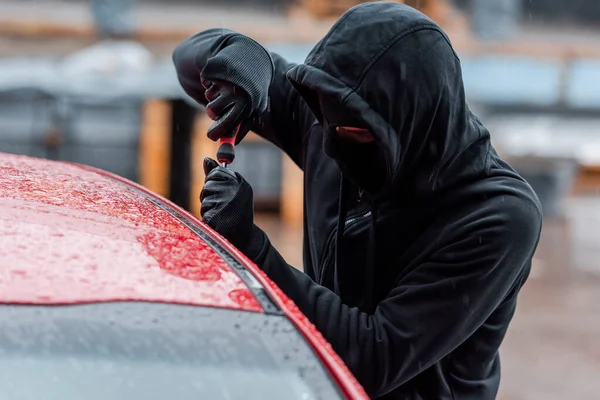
[
  {"x": 326, "y": 262},
  {"x": 352, "y": 220}
]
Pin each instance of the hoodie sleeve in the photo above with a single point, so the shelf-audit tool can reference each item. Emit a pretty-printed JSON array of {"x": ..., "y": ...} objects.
[
  {"x": 287, "y": 119},
  {"x": 430, "y": 311}
]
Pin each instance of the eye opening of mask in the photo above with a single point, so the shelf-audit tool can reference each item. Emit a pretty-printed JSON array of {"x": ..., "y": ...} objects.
[{"x": 355, "y": 134}]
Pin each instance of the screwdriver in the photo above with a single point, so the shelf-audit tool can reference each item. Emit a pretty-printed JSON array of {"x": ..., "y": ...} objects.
[{"x": 226, "y": 151}]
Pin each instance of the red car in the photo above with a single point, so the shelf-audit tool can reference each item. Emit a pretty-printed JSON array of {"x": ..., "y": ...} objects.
[{"x": 108, "y": 291}]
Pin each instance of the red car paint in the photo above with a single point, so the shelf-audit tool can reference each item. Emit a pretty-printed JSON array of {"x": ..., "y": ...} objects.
[
  {"x": 70, "y": 235},
  {"x": 74, "y": 234}
]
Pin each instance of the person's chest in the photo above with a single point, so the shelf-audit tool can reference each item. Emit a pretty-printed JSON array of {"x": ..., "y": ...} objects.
[
  {"x": 322, "y": 181},
  {"x": 397, "y": 228}
]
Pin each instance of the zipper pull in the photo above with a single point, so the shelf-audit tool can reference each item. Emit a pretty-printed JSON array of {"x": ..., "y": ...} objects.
[{"x": 360, "y": 194}]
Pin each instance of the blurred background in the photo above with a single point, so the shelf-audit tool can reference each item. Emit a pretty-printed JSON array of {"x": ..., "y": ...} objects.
[{"x": 92, "y": 81}]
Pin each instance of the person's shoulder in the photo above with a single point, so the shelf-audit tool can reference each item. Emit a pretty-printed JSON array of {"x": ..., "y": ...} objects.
[
  {"x": 500, "y": 205},
  {"x": 516, "y": 197},
  {"x": 514, "y": 209}
]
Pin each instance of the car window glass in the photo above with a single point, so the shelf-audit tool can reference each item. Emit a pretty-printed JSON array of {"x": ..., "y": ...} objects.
[{"x": 154, "y": 351}]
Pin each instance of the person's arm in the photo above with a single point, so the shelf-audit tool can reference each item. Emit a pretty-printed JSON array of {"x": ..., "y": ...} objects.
[
  {"x": 233, "y": 57},
  {"x": 431, "y": 310},
  {"x": 288, "y": 120}
]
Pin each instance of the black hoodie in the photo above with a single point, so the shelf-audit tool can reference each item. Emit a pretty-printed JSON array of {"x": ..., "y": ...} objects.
[{"x": 413, "y": 285}]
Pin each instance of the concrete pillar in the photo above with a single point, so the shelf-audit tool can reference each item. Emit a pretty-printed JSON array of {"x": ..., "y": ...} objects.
[
  {"x": 113, "y": 18},
  {"x": 496, "y": 19}
]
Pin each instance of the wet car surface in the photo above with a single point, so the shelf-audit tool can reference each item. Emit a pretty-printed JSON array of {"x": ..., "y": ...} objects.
[{"x": 108, "y": 291}]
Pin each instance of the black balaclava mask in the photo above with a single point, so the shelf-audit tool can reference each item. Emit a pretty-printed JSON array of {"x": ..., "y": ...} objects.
[{"x": 361, "y": 163}]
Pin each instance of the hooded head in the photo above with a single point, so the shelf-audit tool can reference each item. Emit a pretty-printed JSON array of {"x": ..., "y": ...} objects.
[{"x": 391, "y": 70}]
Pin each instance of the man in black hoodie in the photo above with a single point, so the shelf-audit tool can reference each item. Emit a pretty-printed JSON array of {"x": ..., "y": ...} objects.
[{"x": 417, "y": 235}]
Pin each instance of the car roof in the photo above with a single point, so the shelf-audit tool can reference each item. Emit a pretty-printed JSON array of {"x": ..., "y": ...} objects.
[{"x": 72, "y": 234}]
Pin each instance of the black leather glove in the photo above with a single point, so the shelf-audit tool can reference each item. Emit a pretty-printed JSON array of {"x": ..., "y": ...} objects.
[
  {"x": 237, "y": 80},
  {"x": 228, "y": 208},
  {"x": 216, "y": 56},
  {"x": 229, "y": 106}
]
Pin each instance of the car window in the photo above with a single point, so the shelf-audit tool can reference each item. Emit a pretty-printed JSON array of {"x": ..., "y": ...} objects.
[{"x": 154, "y": 351}]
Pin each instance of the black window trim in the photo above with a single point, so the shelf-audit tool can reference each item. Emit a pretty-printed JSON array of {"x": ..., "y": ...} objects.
[{"x": 259, "y": 292}]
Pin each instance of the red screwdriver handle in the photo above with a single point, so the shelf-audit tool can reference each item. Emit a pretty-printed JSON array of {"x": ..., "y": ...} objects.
[{"x": 226, "y": 151}]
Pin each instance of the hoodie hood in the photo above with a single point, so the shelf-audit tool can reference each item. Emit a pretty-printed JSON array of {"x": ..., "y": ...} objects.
[{"x": 394, "y": 70}]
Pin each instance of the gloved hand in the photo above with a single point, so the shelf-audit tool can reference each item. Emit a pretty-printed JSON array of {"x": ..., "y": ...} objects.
[
  {"x": 222, "y": 55},
  {"x": 236, "y": 82},
  {"x": 228, "y": 106},
  {"x": 228, "y": 208}
]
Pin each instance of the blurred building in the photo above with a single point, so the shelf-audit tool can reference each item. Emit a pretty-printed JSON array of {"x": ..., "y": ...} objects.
[{"x": 523, "y": 62}]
